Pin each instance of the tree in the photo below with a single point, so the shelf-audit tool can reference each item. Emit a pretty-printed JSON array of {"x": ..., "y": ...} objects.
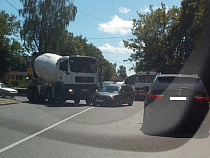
[
  {"x": 151, "y": 48},
  {"x": 165, "y": 40},
  {"x": 121, "y": 72},
  {"x": 45, "y": 23},
  {"x": 18, "y": 60},
  {"x": 194, "y": 25},
  {"x": 8, "y": 27}
]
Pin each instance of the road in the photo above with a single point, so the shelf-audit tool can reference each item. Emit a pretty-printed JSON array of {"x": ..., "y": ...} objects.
[{"x": 68, "y": 130}]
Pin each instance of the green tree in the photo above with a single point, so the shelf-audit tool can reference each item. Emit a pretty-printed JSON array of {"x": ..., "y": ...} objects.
[
  {"x": 9, "y": 27},
  {"x": 150, "y": 47},
  {"x": 195, "y": 33},
  {"x": 121, "y": 72},
  {"x": 45, "y": 22},
  {"x": 18, "y": 60}
]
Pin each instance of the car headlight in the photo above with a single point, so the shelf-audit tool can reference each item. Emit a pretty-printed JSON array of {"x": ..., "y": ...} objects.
[
  {"x": 112, "y": 97},
  {"x": 71, "y": 90}
]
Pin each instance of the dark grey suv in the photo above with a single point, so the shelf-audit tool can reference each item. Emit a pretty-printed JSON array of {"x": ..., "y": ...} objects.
[{"x": 175, "y": 103}]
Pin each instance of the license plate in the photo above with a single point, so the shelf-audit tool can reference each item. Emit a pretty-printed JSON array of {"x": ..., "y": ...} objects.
[
  {"x": 99, "y": 100},
  {"x": 178, "y": 98},
  {"x": 85, "y": 90}
]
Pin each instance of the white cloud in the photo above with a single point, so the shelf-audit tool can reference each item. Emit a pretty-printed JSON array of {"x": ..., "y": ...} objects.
[
  {"x": 115, "y": 49},
  {"x": 146, "y": 10},
  {"x": 124, "y": 10},
  {"x": 116, "y": 26}
]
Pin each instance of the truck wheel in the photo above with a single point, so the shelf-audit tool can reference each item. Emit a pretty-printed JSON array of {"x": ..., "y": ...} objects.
[
  {"x": 29, "y": 95},
  {"x": 88, "y": 101},
  {"x": 35, "y": 95},
  {"x": 76, "y": 101},
  {"x": 59, "y": 94}
]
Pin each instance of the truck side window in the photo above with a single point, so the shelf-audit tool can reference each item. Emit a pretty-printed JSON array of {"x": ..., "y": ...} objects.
[{"x": 63, "y": 66}]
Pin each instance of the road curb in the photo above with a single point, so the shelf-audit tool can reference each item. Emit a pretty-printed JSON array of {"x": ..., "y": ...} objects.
[{"x": 6, "y": 101}]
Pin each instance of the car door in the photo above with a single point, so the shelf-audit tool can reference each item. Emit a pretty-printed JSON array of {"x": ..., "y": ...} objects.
[{"x": 125, "y": 94}]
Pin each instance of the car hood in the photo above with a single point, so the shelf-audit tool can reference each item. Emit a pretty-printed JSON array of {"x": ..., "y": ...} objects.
[
  {"x": 9, "y": 90},
  {"x": 106, "y": 94}
]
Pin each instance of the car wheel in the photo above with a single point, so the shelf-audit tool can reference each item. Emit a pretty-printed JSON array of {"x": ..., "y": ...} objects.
[
  {"x": 3, "y": 95},
  {"x": 94, "y": 103},
  {"x": 130, "y": 103},
  {"x": 117, "y": 103}
]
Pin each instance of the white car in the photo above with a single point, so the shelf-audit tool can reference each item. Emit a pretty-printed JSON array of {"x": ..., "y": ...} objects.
[{"x": 6, "y": 91}]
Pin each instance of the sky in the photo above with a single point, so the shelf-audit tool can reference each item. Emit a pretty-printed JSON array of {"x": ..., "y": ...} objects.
[{"x": 104, "y": 23}]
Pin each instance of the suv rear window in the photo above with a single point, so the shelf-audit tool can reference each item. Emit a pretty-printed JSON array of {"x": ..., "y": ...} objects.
[
  {"x": 172, "y": 83},
  {"x": 178, "y": 80}
]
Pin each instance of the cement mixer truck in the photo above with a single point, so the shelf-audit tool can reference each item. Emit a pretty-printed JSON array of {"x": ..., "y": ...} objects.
[{"x": 59, "y": 78}]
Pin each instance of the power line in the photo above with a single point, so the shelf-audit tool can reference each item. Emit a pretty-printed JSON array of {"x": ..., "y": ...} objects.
[
  {"x": 12, "y": 5},
  {"x": 92, "y": 16}
]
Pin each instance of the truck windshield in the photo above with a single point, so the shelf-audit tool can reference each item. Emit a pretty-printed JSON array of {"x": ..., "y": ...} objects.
[{"x": 82, "y": 64}]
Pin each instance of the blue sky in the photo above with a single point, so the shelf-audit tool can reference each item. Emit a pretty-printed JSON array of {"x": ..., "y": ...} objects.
[{"x": 104, "y": 23}]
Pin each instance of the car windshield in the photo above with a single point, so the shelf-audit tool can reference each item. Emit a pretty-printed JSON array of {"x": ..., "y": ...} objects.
[
  {"x": 146, "y": 78},
  {"x": 110, "y": 89},
  {"x": 3, "y": 85},
  {"x": 85, "y": 65}
]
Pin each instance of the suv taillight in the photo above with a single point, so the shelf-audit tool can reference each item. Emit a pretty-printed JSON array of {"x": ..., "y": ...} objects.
[
  {"x": 155, "y": 96},
  {"x": 199, "y": 98}
]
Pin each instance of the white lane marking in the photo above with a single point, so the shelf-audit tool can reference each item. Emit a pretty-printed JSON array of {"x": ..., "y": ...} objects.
[
  {"x": 178, "y": 98},
  {"x": 44, "y": 130}
]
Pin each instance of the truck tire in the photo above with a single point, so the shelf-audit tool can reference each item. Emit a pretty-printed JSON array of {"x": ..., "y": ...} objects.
[
  {"x": 35, "y": 95},
  {"x": 76, "y": 101},
  {"x": 59, "y": 93},
  {"x": 32, "y": 94},
  {"x": 88, "y": 101},
  {"x": 50, "y": 95}
]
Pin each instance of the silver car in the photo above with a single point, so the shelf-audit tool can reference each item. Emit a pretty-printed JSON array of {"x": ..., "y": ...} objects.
[{"x": 6, "y": 91}]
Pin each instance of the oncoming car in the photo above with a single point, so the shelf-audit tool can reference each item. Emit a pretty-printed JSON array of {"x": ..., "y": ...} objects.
[
  {"x": 176, "y": 103},
  {"x": 104, "y": 84},
  {"x": 6, "y": 91},
  {"x": 114, "y": 94}
]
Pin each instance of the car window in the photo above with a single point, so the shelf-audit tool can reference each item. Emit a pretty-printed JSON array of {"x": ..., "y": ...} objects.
[
  {"x": 3, "y": 86},
  {"x": 178, "y": 80},
  {"x": 172, "y": 83},
  {"x": 110, "y": 89}
]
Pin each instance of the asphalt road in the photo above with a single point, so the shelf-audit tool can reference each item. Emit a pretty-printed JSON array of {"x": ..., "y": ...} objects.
[{"x": 68, "y": 130}]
